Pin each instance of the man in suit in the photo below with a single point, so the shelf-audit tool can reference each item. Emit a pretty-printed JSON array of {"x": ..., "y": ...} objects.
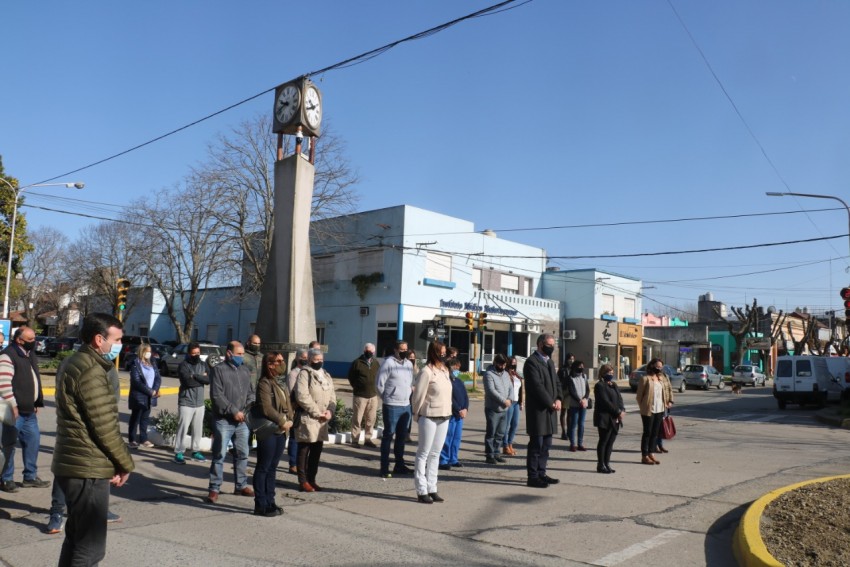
[{"x": 543, "y": 398}]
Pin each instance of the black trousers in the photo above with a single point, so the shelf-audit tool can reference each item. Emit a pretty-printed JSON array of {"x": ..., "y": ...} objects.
[
  {"x": 308, "y": 461},
  {"x": 538, "y": 455},
  {"x": 651, "y": 430},
  {"x": 85, "y": 530},
  {"x": 605, "y": 445}
]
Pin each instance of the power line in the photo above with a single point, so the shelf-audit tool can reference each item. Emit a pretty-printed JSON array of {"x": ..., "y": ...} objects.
[{"x": 362, "y": 58}]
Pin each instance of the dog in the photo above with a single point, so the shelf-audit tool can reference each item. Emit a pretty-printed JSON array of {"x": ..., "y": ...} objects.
[{"x": 736, "y": 388}]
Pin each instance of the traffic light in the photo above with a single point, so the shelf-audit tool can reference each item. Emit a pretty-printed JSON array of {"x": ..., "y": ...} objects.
[
  {"x": 482, "y": 321},
  {"x": 470, "y": 322},
  {"x": 845, "y": 295},
  {"x": 122, "y": 286}
]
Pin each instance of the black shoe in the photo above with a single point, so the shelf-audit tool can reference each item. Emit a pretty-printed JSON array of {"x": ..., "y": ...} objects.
[
  {"x": 265, "y": 512},
  {"x": 436, "y": 497},
  {"x": 35, "y": 483},
  {"x": 457, "y": 465},
  {"x": 537, "y": 483},
  {"x": 550, "y": 480},
  {"x": 425, "y": 499},
  {"x": 610, "y": 470},
  {"x": 8, "y": 486},
  {"x": 402, "y": 470},
  {"x": 445, "y": 467},
  {"x": 564, "y": 436},
  {"x": 500, "y": 459},
  {"x": 492, "y": 461},
  {"x": 602, "y": 469}
]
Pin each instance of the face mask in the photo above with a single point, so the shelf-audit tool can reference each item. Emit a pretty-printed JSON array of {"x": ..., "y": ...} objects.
[
  {"x": 512, "y": 367},
  {"x": 28, "y": 346},
  {"x": 236, "y": 360},
  {"x": 147, "y": 356},
  {"x": 193, "y": 359},
  {"x": 113, "y": 352},
  {"x": 316, "y": 365},
  {"x": 402, "y": 355},
  {"x": 281, "y": 369},
  {"x": 608, "y": 377},
  {"x": 547, "y": 350},
  {"x": 254, "y": 349},
  {"x": 302, "y": 361},
  {"x": 455, "y": 373},
  {"x": 367, "y": 354}
]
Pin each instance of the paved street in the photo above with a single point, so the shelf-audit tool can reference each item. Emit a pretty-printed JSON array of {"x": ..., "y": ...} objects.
[{"x": 729, "y": 450}]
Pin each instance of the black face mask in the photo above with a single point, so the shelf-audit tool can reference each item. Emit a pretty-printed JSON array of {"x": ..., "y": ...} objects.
[
  {"x": 28, "y": 346},
  {"x": 302, "y": 362},
  {"x": 193, "y": 359},
  {"x": 367, "y": 354},
  {"x": 253, "y": 348},
  {"x": 316, "y": 365},
  {"x": 402, "y": 355},
  {"x": 547, "y": 350}
]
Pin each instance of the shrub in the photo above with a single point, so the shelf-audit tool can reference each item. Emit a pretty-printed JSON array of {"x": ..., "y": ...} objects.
[
  {"x": 341, "y": 422},
  {"x": 166, "y": 423}
]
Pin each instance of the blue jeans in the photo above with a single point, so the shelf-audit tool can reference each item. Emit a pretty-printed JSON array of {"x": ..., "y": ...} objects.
[
  {"x": 224, "y": 430},
  {"x": 495, "y": 431},
  {"x": 29, "y": 436},
  {"x": 269, "y": 451},
  {"x": 138, "y": 428},
  {"x": 396, "y": 423},
  {"x": 575, "y": 421},
  {"x": 513, "y": 423},
  {"x": 448, "y": 456}
]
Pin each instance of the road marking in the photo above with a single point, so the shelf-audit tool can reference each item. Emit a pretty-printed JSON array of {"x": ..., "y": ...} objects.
[{"x": 638, "y": 548}]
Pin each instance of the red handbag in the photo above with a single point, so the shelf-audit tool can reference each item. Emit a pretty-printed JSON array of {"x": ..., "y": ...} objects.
[{"x": 668, "y": 428}]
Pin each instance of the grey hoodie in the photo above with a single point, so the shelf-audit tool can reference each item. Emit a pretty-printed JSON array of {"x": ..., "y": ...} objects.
[{"x": 497, "y": 389}]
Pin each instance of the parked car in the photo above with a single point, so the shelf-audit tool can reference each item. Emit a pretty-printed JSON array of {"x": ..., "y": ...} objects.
[
  {"x": 677, "y": 379},
  {"x": 130, "y": 344},
  {"x": 60, "y": 344},
  {"x": 158, "y": 352},
  {"x": 41, "y": 344},
  {"x": 839, "y": 367},
  {"x": 703, "y": 376},
  {"x": 804, "y": 380},
  {"x": 748, "y": 375},
  {"x": 211, "y": 354}
]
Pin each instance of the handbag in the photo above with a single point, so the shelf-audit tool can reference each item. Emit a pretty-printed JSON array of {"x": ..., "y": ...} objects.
[
  {"x": 668, "y": 428},
  {"x": 261, "y": 426}
]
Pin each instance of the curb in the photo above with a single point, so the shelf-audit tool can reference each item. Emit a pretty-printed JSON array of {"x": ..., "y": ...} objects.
[
  {"x": 747, "y": 545},
  {"x": 843, "y": 423}
]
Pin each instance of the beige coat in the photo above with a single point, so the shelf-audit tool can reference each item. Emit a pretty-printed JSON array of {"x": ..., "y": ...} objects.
[
  {"x": 432, "y": 395},
  {"x": 645, "y": 393},
  {"x": 314, "y": 393}
]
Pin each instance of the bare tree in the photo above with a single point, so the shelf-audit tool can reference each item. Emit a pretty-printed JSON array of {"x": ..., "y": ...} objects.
[
  {"x": 186, "y": 249},
  {"x": 747, "y": 319},
  {"x": 43, "y": 273},
  {"x": 239, "y": 172}
]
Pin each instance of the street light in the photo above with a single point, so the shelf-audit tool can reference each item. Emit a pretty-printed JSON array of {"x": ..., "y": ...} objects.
[
  {"x": 17, "y": 191},
  {"x": 775, "y": 194}
]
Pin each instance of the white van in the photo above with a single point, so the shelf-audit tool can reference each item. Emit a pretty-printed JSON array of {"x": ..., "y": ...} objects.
[
  {"x": 839, "y": 367},
  {"x": 804, "y": 379}
]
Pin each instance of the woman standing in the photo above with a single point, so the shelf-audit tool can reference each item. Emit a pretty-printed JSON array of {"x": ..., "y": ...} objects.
[
  {"x": 316, "y": 401},
  {"x": 144, "y": 390},
  {"x": 514, "y": 409},
  {"x": 272, "y": 403},
  {"x": 608, "y": 415},
  {"x": 578, "y": 392},
  {"x": 652, "y": 398},
  {"x": 432, "y": 409}
]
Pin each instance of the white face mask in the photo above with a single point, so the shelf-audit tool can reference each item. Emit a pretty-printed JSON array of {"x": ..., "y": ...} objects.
[{"x": 147, "y": 355}]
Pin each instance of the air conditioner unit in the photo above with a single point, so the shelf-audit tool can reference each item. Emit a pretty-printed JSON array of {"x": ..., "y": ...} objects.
[
  {"x": 364, "y": 311},
  {"x": 569, "y": 335}
]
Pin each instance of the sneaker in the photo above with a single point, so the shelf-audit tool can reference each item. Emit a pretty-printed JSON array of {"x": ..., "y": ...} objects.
[
  {"x": 178, "y": 458},
  {"x": 386, "y": 475},
  {"x": 198, "y": 456},
  {"x": 8, "y": 486},
  {"x": 457, "y": 465},
  {"x": 445, "y": 467},
  {"x": 147, "y": 445},
  {"x": 491, "y": 461},
  {"x": 35, "y": 483},
  {"x": 112, "y": 517},
  {"x": 55, "y": 524}
]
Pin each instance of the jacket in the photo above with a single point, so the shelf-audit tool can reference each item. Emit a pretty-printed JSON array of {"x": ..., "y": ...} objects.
[
  {"x": 273, "y": 401},
  {"x": 432, "y": 396},
  {"x": 141, "y": 397},
  {"x": 88, "y": 438},
  {"x": 645, "y": 393},
  {"x": 193, "y": 378},
  {"x": 609, "y": 404},
  {"x": 395, "y": 381},
  {"x": 230, "y": 390},
  {"x": 460, "y": 397},
  {"x": 497, "y": 389},
  {"x": 572, "y": 391},
  {"x": 314, "y": 393},
  {"x": 362, "y": 375},
  {"x": 254, "y": 364},
  {"x": 26, "y": 379},
  {"x": 542, "y": 388}
]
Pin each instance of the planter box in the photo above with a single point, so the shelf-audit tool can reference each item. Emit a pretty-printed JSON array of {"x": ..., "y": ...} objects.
[{"x": 159, "y": 440}]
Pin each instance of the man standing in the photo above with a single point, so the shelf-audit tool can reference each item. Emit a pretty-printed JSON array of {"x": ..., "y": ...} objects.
[
  {"x": 497, "y": 399},
  {"x": 190, "y": 403},
  {"x": 361, "y": 376},
  {"x": 395, "y": 385},
  {"x": 231, "y": 393},
  {"x": 542, "y": 403},
  {"x": 254, "y": 359},
  {"x": 18, "y": 360},
  {"x": 90, "y": 453}
]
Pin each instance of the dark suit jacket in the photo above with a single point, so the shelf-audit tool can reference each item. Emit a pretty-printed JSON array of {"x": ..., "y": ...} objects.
[
  {"x": 608, "y": 405},
  {"x": 542, "y": 388}
]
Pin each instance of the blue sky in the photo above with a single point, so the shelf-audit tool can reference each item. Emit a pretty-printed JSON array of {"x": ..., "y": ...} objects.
[{"x": 554, "y": 113}]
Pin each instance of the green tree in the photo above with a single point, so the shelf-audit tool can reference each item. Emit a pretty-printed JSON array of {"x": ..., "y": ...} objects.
[{"x": 8, "y": 189}]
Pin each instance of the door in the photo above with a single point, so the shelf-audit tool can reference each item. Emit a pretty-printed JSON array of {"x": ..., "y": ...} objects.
[{"x": 486, "y": 349}]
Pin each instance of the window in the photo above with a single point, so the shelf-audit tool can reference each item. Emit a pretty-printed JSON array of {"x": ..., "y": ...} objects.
[
  {"x": 320, "y": 335},
  {"x": 370, "y": 262},
  {"x": 476, "y": 278},
  {"x": 438, "y": 266},
  {"x": 630, "y": 307},
  {"x": 783, "y": 369},
  {"x": 804, "y": 368},
  {"x": 510, "y": 284},
  {"x": 526, "y": 286},
  {"x": 607, "y": 303}
]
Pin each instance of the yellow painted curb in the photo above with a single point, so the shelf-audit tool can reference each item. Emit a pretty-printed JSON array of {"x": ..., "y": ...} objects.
[
  {"x": 124, "y": 391},
  {"x": 747, "y": 545}
]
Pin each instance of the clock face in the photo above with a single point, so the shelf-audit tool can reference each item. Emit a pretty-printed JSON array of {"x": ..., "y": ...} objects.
[
  {"x": 287, "y": 104},
  {"x": 312, "y": 107}
]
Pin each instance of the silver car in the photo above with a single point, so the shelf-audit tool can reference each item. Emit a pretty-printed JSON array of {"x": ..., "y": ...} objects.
[
  {"x": 677, "y": 381},
  {"x": 703, "y": 376},
  {"x": 748, "y": 375}
]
